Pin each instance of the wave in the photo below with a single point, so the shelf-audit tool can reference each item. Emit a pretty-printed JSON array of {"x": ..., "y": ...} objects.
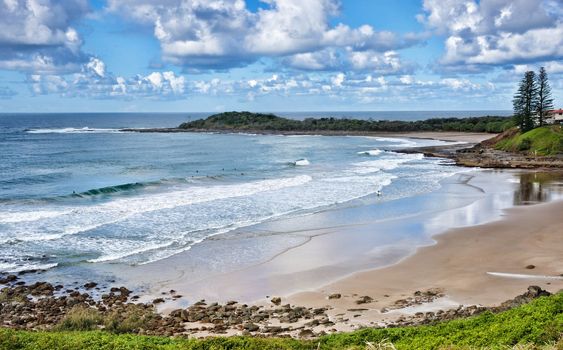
[
  {"x": 122, "y": 208},
  {"x": 387, "y": 163},
  {"x": 13, "y": 217},
  {"x": 301, "y": 162},
  {"x": 373, "y": 152},
  {"x": 115, "y": 189},
  {"x": 15, "y": 267},
  {"x": 84, "y": 130}
]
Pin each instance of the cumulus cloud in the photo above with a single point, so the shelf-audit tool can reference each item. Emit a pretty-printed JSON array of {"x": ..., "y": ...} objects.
[
  {"x": 225, "y": 33},
  {"x": 37, "y": 35},
  {"x": 94, "y": 81},
  {"x": 385, "y": 63},
  {"x": 496, "y": 32}
]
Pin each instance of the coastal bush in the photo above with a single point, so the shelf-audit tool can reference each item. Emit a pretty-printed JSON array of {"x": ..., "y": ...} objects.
[
  {"x": 80, "y": 318},
  {"x": 247, "y": 121},
  {"x": 537, "y": 325}
]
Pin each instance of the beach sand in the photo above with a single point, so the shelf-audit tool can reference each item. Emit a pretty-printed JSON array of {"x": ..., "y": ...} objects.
[
  {"x": 461, "y": 264},
  {"x": 469, "y": 137},
  {"x": 480, "y": 239},
  {"x": 346, "y": 251}
]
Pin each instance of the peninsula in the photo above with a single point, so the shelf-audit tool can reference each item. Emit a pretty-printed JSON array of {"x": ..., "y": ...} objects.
[{"x": 506, "y": 147}]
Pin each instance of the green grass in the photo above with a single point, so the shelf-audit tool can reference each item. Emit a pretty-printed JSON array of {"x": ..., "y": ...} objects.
[
  {"x": 544, "y": 141},
  {"x": 538, "y": 325}
]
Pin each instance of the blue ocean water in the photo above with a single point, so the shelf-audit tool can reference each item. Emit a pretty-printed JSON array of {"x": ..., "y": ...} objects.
[{"x": 76, "y": 190}]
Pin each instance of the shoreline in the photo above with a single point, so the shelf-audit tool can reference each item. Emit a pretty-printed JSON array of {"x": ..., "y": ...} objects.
[
  {"x": 470, "y": 137},
  {"x": 476, "y": 265},
  {"x": 455, "y": 276},
  {"x": 365, "y": 297}
]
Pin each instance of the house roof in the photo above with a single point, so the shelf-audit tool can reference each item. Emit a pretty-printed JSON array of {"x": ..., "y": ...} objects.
[{"x": 555, "y": 111}]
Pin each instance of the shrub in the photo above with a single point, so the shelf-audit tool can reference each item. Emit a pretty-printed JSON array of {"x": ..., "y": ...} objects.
[
  {"x": 80, "y": 318},
  {"x": 525, "y": 144},
  {"x": 131, "y": 320}
]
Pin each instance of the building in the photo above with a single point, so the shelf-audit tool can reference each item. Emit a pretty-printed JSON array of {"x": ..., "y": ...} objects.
[{"x": 554, "y": 117}]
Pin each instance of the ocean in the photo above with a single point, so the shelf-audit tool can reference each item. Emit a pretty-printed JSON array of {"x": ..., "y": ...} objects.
[{"x": 75, "y": 191}]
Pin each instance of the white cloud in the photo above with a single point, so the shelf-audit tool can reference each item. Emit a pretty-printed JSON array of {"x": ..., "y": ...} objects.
[
  {"x": 94, "y": 81},
  {"x": 496, "y": 32},
  {"x": 224, "y": 33},
  {"x": 338, "y": 79},
  {"x": 36, "y": 35},
  {"x": 97, "y": 66}
]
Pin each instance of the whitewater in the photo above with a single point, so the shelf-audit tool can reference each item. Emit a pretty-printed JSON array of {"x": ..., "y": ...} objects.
[{"x": 84, "y": 194}]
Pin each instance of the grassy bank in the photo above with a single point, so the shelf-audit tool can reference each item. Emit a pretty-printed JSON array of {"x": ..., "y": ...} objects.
[
  {"x": 538, "y": 325},
  {"x": 544, "y": 141}
]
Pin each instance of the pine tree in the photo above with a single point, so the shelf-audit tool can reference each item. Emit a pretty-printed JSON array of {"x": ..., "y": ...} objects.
[
  {"x": 544, "y": 100},
  {"x": 525, "y": 102}
]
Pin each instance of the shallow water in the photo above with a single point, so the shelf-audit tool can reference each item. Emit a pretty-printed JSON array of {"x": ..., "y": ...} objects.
[{"x": 74, "y": 191}]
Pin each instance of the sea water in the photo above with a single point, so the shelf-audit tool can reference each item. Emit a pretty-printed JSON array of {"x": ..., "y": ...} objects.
[{"x": 74, "y": 189}]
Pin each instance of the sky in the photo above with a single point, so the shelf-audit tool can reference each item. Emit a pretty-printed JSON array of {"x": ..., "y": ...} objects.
[{"x": 274, "y": 55}]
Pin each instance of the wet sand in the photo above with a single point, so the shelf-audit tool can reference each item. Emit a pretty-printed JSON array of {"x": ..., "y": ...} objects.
[
  {"x": 305, "y": 259},
  {"x": 477, "y": 265}
]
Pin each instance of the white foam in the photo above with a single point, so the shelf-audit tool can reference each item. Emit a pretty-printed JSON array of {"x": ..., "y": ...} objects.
[
  {"x": 82, "y": 219},
  {"x": 11, "y": 217},
  {"x": 388, "y": 163},
  {"x": 73, "y": 131},
  {"x": 301, "y": 162},
  {"x": 373, "y": 152},
  {"x": 12, "y": 267},
  {"x": 118, "y": 254}
]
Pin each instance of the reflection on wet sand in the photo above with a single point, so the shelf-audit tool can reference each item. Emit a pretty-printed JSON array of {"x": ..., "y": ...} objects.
[{"x": 538, "y": 187}]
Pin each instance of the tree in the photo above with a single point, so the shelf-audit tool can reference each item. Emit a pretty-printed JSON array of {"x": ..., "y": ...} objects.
[
  {"x": 544, "y": 100},
  {"x": 525, "y": 102}
]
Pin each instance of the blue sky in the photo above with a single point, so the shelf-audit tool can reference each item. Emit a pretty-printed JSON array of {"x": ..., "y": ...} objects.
[{"x": 273, "y": 55}]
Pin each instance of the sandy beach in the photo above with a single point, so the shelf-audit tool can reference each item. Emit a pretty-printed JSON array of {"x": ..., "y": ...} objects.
[
  {"x": 478, "y": 265},
  {"x": 344, "y": 252},
  {"x": 480, "y": 237}
]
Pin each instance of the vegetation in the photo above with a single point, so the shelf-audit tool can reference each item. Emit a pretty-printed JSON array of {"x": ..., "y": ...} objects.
[
  {"x": 538, "y": 325},
  {"x": 247, "y": 121},
  {"x": 80, "y": 318},
  {"x": 545, "y": 102},
  {"x": 542, "y": 141},
  {"x": 532, "y": 100}
]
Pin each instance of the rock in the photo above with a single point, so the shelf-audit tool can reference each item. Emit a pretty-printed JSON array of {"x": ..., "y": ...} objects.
[
  {"x": 273, "y": 329},
  {"x": 251, "y": 327},
  {"x": 306, "y": 333},
  {"x": 335, "y": 296},
  {"x": 313, "y": 323},
  {"x": 364, "y": 300},
  {"x": 90, "y": 285},
  {"x": 531, "y": 267},
  {"x": 11, "y": 278},
  {"x": 158, "y": 301},
  {"x": 276, "y": 300}
]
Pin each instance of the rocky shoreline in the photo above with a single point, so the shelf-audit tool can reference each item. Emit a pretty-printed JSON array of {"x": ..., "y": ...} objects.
[
  {"x": 482, "y": 156},
  {"x": 43, "y": 306}
]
